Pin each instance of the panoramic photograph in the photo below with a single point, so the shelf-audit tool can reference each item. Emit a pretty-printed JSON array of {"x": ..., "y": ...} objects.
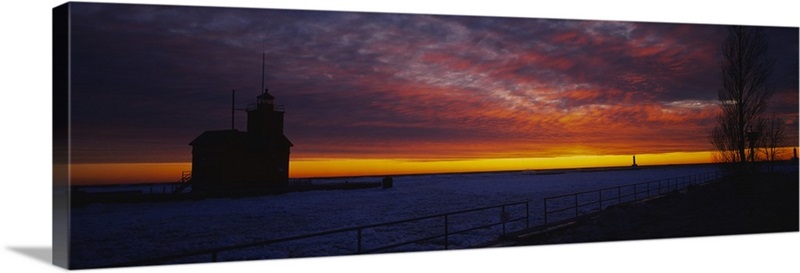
[{"x": 205, "y": 134}]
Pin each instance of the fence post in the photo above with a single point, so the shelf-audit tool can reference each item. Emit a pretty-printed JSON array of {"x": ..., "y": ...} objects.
[
  {"x": 659, "y": 187},
  {"x": 544, "y": 209},
  {"x": 527, "y": 215},
  {"x": 576, "y": 205},
  {"x": 358, "y": 250},
  {"x": 600, "y": 199},
  {"x": 503, "y": 219},
  {"x": 446, "y": 234}
]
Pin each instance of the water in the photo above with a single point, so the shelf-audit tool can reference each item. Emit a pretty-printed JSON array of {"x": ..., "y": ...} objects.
[{"x": 109, "y": 233}]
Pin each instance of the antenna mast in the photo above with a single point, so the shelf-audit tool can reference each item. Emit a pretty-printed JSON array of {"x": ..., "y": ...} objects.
[
  {"x": 233, "y": 103},
  {"x": 263, "y": 60}
]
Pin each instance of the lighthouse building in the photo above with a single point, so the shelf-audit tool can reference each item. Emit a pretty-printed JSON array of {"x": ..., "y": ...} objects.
[{"x": 232, "y": 161}]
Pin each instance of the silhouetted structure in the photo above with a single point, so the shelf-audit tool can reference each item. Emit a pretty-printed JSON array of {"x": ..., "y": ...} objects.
[
  {"x": 634, "y": 162},
  {"x": 794, "y": 157},
  {"x": 387, "y": 182},
  {"x": 231, "y": 161}
]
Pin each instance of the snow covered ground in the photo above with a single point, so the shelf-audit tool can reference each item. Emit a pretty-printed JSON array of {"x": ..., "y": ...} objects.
[{"x": 109, "y": 233}]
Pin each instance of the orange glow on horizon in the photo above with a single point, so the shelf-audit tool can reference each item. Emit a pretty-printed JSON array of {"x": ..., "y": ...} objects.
[
  {"x": 128, "y": 173},
  {"x": 369, "y": 167}
]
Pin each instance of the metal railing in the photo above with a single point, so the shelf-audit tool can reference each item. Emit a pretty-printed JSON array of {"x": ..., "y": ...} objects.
[
  {"x": 183, "y": 183},
  {"x": 504, "y": 218},
  {"x": 575, "y": 203},
  {"x": 185, "y": 176},
  {"x": 590, "y": 201}
]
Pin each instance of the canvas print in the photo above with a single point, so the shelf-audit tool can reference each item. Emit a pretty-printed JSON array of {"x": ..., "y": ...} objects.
[{"x": 187, "y": 134}]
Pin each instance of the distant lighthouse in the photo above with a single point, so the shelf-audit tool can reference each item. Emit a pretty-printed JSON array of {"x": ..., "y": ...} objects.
[{"x": 634, "y": 162}]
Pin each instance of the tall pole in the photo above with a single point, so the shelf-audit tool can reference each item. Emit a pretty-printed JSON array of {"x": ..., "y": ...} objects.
[
  {"x": 233, "y": 103},
  {"x": 263, "y": 60}
]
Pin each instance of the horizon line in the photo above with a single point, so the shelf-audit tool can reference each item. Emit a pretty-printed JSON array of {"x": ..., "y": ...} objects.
[{"x": 598, "y": 168}]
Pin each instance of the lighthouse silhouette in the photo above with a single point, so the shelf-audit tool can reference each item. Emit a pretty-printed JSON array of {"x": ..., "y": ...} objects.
[{"x": 236, "y": 162}]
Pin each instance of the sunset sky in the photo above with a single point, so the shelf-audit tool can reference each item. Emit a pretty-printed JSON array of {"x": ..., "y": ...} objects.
[{"x": 370, "y": 93}]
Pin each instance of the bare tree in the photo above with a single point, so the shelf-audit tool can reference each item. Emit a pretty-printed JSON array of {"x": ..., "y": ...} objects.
[
  {"x": 744, "y": 94},
  {"x": 754, "y": 133},
  {"x": 773, "y": 137},
  {"x": 724, "y": 139}
]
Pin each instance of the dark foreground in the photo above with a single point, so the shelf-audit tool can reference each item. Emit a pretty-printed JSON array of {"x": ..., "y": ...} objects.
[{"x": 759, "y": 204}]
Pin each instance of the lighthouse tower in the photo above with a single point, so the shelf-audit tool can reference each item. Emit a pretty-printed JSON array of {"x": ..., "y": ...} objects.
[{"x": 265, "y": 119}]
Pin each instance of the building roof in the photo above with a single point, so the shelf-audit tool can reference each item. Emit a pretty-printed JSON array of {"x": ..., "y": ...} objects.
[
  {"x": 266, "y": 96},
  {"x": 219, "y": 137}
]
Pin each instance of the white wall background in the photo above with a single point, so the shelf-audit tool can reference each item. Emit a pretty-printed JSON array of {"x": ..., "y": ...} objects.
[{"x": 25, "y": 155}]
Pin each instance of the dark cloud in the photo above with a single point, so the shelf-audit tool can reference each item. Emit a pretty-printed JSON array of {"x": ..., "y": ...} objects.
[{"x": 151, "y": 78}]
